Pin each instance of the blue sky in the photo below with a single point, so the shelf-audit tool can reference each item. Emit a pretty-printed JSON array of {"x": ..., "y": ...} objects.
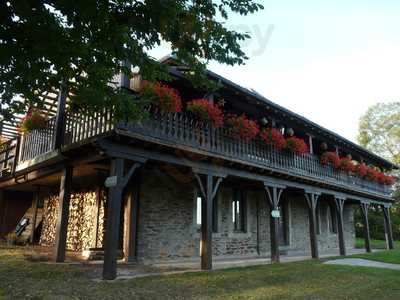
[{"x": 327, "y": 60}]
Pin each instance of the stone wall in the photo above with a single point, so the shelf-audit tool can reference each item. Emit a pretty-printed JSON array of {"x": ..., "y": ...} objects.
[
  {"x": 82, "y": 220},
  {"x": 168, "y": 229}
]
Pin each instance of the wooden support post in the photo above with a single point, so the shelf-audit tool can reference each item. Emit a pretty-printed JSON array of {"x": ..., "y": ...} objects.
[
  {"x": 273, "y": 195},
  {"x": 209, "y": 188},
  {"x": 364, "y": 209},
  {"x": 131, "y": 221},
  {"x": 312, "y": 201},
  {"x": 63, "y": 214},
  {"x": 59, "y": 130},
  {"x": 339, "y": 203},
  {"x": 35, "y": 202},
  {"x": 310, "y": 143},
  {"x": 118, "y": 181},
  {"x": 388, "y": 227}
]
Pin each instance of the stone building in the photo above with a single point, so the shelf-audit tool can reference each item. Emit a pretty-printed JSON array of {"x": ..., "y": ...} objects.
[{"x": 172, "y": 188}]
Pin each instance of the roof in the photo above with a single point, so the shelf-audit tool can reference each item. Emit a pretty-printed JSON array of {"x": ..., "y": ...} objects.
[{"x": 308, "y": 123}]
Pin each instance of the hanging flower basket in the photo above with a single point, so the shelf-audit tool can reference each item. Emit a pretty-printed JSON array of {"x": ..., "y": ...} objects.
[
  {"x": 296, "y": 145},
  {"x": 161, "y": 97},
  {"x": 330, "y": 158},
  {"x": 206, "y": 111},
  {"x": 273, "y": 137},
  {"x": 242, "y": 128},
  {"x": 33, "y": 120}
]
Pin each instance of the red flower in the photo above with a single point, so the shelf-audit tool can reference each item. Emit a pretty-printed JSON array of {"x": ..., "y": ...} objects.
[
  {"x": 242, "y": 128},
  {"x": 361, "y": 170},
  {"x": 33, "y": 120},
  {"x": 389, "y": 180},
  {"x": 372, "y": 174},
  {"x": 330, "y": 157},
  {"x": 272, "y": 136},
  {"x": 206, "y": 111},
  {"x": 346, "y": 164},
  {"x": 296, "y": 145},
  {"x": 162, "y": 96}
]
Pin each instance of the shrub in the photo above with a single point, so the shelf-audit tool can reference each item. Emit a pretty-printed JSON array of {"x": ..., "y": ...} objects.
[
  {"x": 296, "y": 145},
  {"x": 206, "y": 111},
  {"x": 330, "y": 158},
  {"x": 161, "y": 96},
  {"x": 272, "y": 136},
  {"x": 242, "y": 128}
]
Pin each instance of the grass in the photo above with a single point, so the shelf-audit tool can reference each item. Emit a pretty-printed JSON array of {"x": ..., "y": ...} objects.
[
  {"x": 21, "y": 278},
  {"x": 375, "y": 244}
]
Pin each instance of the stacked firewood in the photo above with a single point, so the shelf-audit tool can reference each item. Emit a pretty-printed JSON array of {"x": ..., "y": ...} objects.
[{"x": 84, "y": 213}]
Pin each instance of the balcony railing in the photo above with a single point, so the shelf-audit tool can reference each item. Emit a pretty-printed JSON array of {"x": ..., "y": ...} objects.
[{"x": 181, "y": 129}]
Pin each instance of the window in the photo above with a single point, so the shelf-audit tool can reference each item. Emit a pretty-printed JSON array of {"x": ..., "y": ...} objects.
[
  {"x": 215, "y": 213},
  {"x": 331, "y": 216},
  {"x": 239, "y": 210}
]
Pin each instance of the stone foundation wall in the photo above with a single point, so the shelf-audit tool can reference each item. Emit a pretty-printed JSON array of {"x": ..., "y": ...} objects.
[
  {"x": 168, "y": 229},
  {"x": 82, "y": 220}
]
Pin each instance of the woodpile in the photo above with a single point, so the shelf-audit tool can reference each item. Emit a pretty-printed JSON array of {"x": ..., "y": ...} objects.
[{"x": 86, "y": 220}]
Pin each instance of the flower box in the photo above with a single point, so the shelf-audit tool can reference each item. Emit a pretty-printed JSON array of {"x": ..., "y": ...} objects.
[
  {"x": 330, "y": 158},
  {"x": 240, "y": 127},
  {"x": 272, "y": 136},
  {"x": 161, "y": 97},
  {"x": 296, "y": 145},
  {"x": 33, "y": 120},
  {"x": 206, "y": 111}
]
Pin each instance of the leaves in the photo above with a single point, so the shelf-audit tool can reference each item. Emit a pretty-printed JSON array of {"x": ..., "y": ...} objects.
[{"x": 83, "y": 44}]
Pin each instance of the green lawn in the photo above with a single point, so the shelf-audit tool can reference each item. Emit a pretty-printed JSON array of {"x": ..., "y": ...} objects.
[
  {"x": 375, "y": 244},
  {"x": 23, "y": 279}
]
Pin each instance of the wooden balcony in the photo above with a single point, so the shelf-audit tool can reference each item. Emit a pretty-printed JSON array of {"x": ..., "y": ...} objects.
[{"x": 177, "y": 131}]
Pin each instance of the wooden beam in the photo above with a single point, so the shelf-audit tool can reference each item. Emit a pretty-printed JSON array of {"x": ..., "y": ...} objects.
[
  {"x": 35, "y": 203},
  {"x": 339, "y": 204},
  {"x": 59, "y": 129},
  {"x": 63, "y": 214},
  {"x": 209, "y": 188},
  {"x": 114, "y": 215},
  {"x": 364, "y": 209},
  {"x": 388, "y": 227},
  {"x": 273, "y": 195},
  {"x": 132, "y": 220},
  {"x": 312, "y": 201},
  {"x": 113, "y": 221}
]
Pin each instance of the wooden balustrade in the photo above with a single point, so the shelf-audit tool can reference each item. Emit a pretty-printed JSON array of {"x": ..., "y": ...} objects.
[
  {"x": 182, "y": 129},
  {"x": 8, "y": 153}
]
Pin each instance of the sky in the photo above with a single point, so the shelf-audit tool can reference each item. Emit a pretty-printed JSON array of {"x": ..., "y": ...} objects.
[{"x": 326, "y": 60}]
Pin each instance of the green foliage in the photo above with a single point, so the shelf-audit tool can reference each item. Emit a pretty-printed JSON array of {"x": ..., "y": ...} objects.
[
  {"x": 376, "y": 223},
  {"x": 82, "y": 44},
  {"x": 379, "y": 130}
]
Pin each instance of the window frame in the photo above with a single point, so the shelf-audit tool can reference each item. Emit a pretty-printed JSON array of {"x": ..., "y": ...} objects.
[{"x": 239, "y": 211}]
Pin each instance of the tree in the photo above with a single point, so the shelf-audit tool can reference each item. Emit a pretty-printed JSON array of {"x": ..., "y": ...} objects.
[
  {"x": 81, "y": 44},
  {"x": 379, "y": 131}
]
